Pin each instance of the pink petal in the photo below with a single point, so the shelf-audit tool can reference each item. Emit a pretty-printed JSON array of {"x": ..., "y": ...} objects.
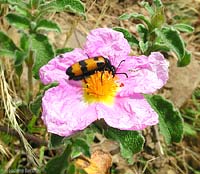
[
  {"x": 128, "y": 113},
  {"x": 55, "y": 70},
  {"x": 145, "y": 74},
  {"x": 64, "y": 112},
  {"x": 107, "y": 43}
]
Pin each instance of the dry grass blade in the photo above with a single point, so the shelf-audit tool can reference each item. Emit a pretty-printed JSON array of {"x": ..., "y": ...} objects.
[
  {"x": 10, "y": 110},
  {"x": 4, "y": 150}
]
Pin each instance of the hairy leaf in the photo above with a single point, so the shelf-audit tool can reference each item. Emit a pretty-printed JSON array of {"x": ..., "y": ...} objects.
[
  {"x": 130, "y": 142},
  {"x": 75, "y": 6},
  {"x": 143, "y": 46},
  {"x": 56, "y": 141},
  {"x": 158, "y": 19},
  {"x": 18, "y": 21},
  {"x": 47, "y": 25},
  {"x": 185, "y": 60},
  {"x": 170, "y": 120},
  {"x": 160, "y": 47},
  {"x": 19, "y": 70},
  {"x": 173, "y": 40},
  {"x": 184, "y": 28},
  {"x": 132, "y": 40},
  {"x": 142, "y": 31},
  {"x": 71, "y": 169},
  {"x": 34, "y": 3},
  {"x": 24, "y": 42},
  {"x": 23, "y": 10},
  {"x": 6, "y": 44},
  {"x": 158, "y": 3},
  {"x": 147, "y": 6},
  {"x": 7, "y": 53},
  {"x": 19, "y": 57},
  {"x": 136, "y": 16},
  {"x": 63, "y": 50},
  {"x": 43, "y": 51},
  {"x": 60, "y": 163},
  {"x": 80, "y": 146},
  {"x": 189, "y": 130}
]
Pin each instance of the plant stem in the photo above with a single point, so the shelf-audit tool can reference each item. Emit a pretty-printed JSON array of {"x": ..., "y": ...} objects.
[
  {"x": 29, "y": 64},
  {"x": 152, "y": 38},
  {"x": 30, "y": 83},
  {"x": 157, "y": 141}
]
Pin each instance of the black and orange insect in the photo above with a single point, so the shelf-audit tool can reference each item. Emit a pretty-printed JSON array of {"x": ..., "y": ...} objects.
[{"x": 84, "y": 68}]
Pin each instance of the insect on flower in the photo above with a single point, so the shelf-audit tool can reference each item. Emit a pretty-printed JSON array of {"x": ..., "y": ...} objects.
[
  {"x": 105, "y": 94},
  {"x": 87, "y": 67}
]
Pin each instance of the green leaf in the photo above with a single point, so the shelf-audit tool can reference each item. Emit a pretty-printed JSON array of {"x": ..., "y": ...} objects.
[
  {"x": 160, "y": 47},
  {"x": 158, "y": 3},
  {"x": 189, "y": 130},
  {"x": 131, "y": 142},
  {"x": 71, "y": 169},
  {"x": 2, "y": 170},
  {"x": 32, "y": 128},
  {"x": 43, "y": 52},
  {"x": 136, "y": 16},
  {"x": 46, "y": 7},
  {"x": 23, "y": 10},
  {"x": 75, "y": 6},
  {"x": 56, "y": 141},
  {"x": 63, "y": 50},
  {"x": 147, "y": 6},
  {"x": 80, "y": 146},
  {"x": 47, "y": 25},
  {"x": 89, "y": 134},
  {"x": 13, "y": 2},
  {"x": 158, "y": 19},
  {"x": 3, "y": 1},
  {"x": 19, "y": 70},
  {"x": 143, "y": 46},
  {"x": 34, "y": 3},
  {"x": 7, "y": 53},
  {"x": 132, "y": 40},
  {"x": 170, "y": 120},
  {"x": 10, "y": 1},
  {"x": 51, "y": 85},
  {"x": 24, "y": 42},
  {"x": 35, "y": 105},
  {"x": 184, "y": 28},
  {"x": 18, "y": 21},
  {"x": 185, "y": 60},
  {"x": 19, "y": 57},
  {"x": 6, "y": 44},
  {"x": 172, "y": 39},
  {"x": 142, "y": 31},
  {"x": 58, "y": 164}
]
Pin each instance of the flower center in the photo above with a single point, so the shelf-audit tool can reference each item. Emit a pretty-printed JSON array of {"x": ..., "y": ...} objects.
[{"x": 100, "y": 87}]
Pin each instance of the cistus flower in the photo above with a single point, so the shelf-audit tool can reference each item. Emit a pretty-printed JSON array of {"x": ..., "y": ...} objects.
[{"x": 73, "y": 105}]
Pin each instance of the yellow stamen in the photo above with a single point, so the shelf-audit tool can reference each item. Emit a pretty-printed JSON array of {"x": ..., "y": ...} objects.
[{"x": 100, "y": 87}]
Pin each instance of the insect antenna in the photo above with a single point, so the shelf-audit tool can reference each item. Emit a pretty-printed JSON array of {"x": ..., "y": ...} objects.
[
  {"x": 120, "y": 64},
  {"x": 123, "y": 73},
  {"x": 118, "y": 67}
]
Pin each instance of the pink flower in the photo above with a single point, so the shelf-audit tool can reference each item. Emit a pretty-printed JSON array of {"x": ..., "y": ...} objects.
[{"x": 73, "y": 105}]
